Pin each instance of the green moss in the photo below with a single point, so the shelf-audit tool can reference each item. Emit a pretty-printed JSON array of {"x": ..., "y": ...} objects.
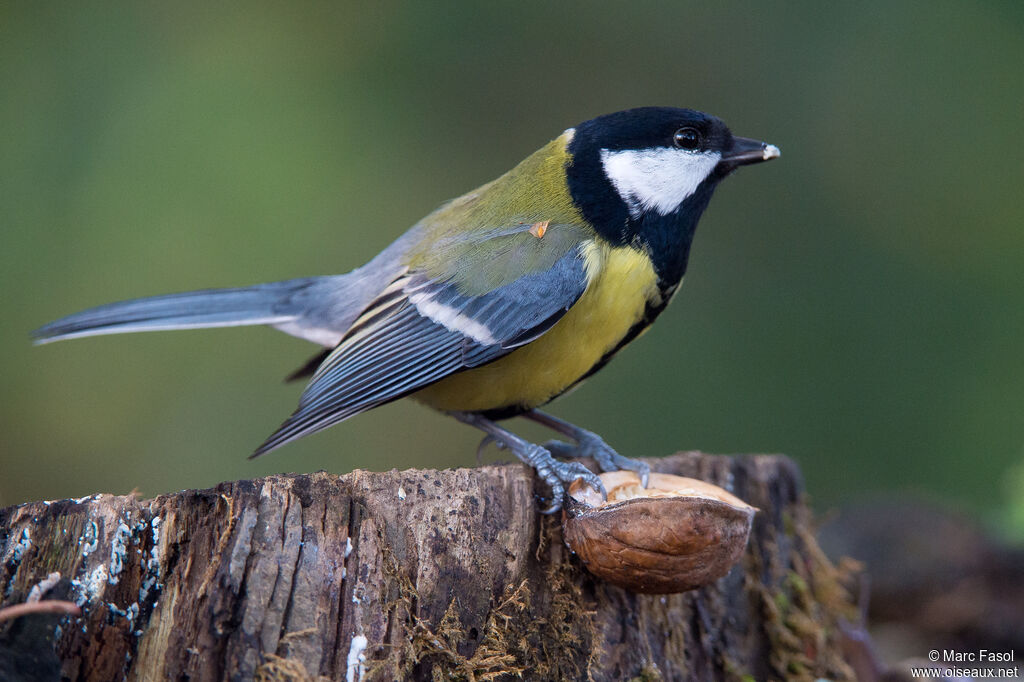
[{"x": 799, "y": 616}]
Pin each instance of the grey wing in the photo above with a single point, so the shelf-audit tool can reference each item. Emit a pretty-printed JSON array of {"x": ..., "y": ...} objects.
[{"x": 419, "y": 331}]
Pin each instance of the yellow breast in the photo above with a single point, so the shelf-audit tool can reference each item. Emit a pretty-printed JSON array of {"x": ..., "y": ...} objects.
[{"x": 622, "y": 283}]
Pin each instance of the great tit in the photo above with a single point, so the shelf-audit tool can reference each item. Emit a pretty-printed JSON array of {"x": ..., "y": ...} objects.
[{"x": 501, "y": 299}]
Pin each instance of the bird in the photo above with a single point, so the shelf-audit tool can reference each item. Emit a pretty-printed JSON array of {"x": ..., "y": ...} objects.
[{"x": 499, "y": 300}]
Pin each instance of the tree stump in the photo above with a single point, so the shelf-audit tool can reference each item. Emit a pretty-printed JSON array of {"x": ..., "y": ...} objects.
[{"x": 407, "y": 574}]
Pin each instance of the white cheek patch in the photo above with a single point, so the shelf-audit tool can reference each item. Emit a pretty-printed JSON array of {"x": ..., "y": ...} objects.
[{"x": 658, "y": 179}]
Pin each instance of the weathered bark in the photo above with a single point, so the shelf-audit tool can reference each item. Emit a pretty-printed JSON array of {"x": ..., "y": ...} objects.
[{"x": 412, "y": 574}]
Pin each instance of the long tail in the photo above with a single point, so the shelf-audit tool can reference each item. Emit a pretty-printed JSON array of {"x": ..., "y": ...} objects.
[{"x": 286, "y": 305}]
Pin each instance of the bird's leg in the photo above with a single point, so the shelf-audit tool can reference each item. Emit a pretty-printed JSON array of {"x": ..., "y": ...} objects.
[
  {"x": 588, "y": 444},
  {"x": 555, "y": 473}
]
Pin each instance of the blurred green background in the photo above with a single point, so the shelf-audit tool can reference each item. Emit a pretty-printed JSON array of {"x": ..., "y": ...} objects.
[{"x": 858, "y": 305}]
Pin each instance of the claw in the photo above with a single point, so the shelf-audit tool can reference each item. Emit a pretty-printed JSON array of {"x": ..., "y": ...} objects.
[
  {"x": 574, "y": 470},
  {"x": 487, "y": 440},
  {"x": 643, "y": 469},
  {"x": 557, "y": 474},
  {"x": 557, "y": 494},
  {"x": 555, "y": 506},
  {"x": 644, "y": 472}
]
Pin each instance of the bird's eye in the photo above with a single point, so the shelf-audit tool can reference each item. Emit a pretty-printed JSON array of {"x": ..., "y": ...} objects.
[{"x": 686, "y": 138}]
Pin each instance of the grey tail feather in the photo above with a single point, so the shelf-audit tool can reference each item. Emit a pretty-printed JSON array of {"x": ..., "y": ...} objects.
[{"x": 272, "y": 303}]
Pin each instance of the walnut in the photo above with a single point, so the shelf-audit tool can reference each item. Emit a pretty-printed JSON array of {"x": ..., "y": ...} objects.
[{"x": 675, "y": 535}]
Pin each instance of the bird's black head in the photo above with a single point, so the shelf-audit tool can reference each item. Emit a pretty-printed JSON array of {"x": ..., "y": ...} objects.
[{"x": 644, "y": 176}]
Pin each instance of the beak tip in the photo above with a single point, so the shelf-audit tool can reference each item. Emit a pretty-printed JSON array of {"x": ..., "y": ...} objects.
[{"x": 746, "y": 151}]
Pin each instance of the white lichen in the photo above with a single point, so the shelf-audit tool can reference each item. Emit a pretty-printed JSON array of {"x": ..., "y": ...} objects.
[
  {"x": 155, "y": 525},
  {"x": 151, "y": 579},
  {"x": 90, "y": 589},
  {"x": 401, "y": 493},
  {"x": 356, "y": 657},
  {"x": 23, "y": 545},
  {"x": 90, "y": 539},
  {"x": 119, "y": 551},
  {"x": 129, "y": 614}
]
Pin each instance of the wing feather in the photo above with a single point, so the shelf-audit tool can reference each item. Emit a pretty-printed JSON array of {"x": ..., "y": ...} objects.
[{"x": 420, "y": 330}]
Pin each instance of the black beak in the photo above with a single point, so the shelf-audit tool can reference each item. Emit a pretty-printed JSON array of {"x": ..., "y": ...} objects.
[{"x": 746, "y": 151}]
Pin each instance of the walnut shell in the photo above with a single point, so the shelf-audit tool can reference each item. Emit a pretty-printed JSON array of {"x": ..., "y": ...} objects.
[{"x": 675, "y": 535}]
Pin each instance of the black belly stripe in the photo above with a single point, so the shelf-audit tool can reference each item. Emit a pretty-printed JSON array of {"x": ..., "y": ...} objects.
[{"x": 651, "y": 313}]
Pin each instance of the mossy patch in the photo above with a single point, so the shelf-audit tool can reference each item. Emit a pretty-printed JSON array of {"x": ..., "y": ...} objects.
[
  {"x": 800, "y": 615},
  {"x": 515, "y": 641}
]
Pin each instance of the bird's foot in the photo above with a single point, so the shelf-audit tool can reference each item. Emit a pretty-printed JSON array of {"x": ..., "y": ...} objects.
[
  {"x": 553, "y": 472},
  {"x": 590, "y": 444},
  {"x": 558, "y": 474}
]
